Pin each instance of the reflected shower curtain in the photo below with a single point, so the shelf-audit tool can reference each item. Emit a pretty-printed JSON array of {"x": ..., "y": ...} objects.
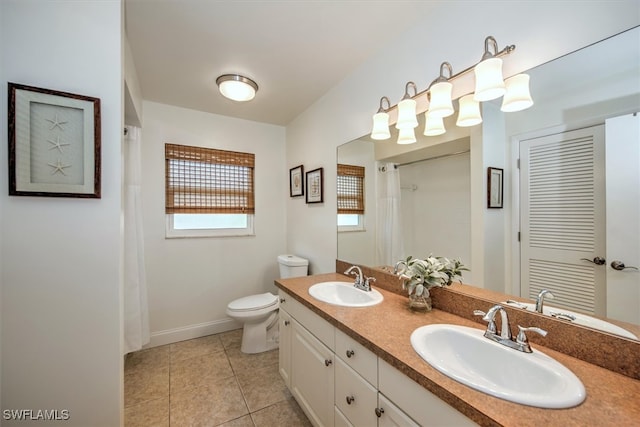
[
  {"x": 389, "y": 241},
  {"x": 136, "y": 309}
]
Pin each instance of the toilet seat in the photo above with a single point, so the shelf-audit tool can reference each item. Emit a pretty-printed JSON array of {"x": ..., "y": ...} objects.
[{"x": 253, "y": 303}]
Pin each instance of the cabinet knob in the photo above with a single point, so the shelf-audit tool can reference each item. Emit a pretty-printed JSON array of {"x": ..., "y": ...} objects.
[
  {"x": 286, "y": 323},
  {"x": 379, "y": 412},
  {"x": 282, "y": 300},
  {"x": 327, "y": 362},
  {"x": 350, "y": 400},
  {"x": 350, "y": 353}
]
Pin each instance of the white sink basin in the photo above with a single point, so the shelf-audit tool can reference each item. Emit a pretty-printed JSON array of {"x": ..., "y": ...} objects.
[
  {"x": 465, "y": 355},
  {"x": 344, "y": 294},
  {"x": 580, "y": 318}
]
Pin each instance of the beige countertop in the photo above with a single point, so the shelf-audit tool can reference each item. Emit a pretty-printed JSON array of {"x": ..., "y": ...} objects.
[{"x": 612, "y": 398}]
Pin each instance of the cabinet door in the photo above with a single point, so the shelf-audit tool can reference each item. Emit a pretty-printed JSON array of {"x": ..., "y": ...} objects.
[
  {"x": 391, "y": 415},
  {"x": 286, "y": 332},
  {"x": 312, "y": 378}
]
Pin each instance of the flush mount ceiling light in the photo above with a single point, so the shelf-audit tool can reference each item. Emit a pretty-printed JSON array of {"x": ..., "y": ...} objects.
[
  {"x": 237, "y": 87},
  {"x": 489, "y": 85}
]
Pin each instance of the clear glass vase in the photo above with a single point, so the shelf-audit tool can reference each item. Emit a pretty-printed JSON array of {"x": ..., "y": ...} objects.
[{"x": 420, "y": 302}]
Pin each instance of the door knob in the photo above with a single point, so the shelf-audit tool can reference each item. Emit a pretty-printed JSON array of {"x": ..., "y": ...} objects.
[
  {"x": 597, "y": 260},
  {"x": 327, "y": 362},
  {"x": 379, "y": 412},
  {"x": 350, "y": 400},
  {"x": 619, "y": 265}
]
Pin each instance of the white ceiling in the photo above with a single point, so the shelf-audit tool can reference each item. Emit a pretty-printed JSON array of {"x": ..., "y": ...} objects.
[{"x": 296, "y": 50}]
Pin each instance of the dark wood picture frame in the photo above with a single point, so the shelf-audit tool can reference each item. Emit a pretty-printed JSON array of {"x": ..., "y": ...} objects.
[
  {"x": 314, "y": 183},
  {"x": 495, "y": 188},
  {"x": 296, "y": 181},
  {"x": 54, "y": 143}
]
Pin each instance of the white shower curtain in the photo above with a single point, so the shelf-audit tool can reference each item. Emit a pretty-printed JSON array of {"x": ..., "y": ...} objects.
[
  {"x": 389, "y": 241},
  {"x": 136, "y": 309}
]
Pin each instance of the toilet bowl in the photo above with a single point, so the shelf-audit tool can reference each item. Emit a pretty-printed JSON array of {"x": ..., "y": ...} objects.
[
  {"x": 259, "y": 313},
  {"x": 259, "y": 316}
]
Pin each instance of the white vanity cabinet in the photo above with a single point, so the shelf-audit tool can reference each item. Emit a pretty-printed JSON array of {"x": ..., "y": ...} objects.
[
  {"x": 339, "y": 382},
  {"x": 284, "y": 354},
  {"x": 419, "y": 404},
  {"x": 308, "y": 363}
]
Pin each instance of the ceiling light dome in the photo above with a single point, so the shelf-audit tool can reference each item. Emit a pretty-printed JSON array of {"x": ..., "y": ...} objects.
[{"x": 237, "y": 87}]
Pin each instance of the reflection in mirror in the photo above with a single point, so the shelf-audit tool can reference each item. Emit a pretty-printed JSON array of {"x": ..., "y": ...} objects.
[{"x": 433, "y": 213}]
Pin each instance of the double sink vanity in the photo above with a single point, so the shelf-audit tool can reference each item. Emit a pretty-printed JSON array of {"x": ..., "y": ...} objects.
[{"x": 362, "y": 358}]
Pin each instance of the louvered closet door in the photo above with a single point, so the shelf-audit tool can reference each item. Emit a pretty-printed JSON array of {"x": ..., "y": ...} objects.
[{"x": 563, "y": 218}]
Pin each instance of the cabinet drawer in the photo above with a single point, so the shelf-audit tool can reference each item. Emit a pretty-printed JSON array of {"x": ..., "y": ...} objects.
[
  {"x": 340, "y": 420},
  {"x": 355, "y": 397},
  {"x": 416, "y": 401},
  {"x": 319, "y": 327},
  {"x": 357, "y": 357}
]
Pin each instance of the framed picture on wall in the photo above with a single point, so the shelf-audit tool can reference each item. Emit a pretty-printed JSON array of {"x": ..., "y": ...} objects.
[
  {"x": 495, "y": 180},
  {"x": 314, "y": 186},
  {"x": 54, "y": 143},
  {"x": 296, "y": 181}
]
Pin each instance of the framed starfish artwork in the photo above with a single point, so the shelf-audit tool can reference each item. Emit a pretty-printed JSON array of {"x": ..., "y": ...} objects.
[{"x": 54, "y": 143}]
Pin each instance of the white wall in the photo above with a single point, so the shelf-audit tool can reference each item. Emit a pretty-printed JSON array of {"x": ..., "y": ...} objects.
[
  {"x": 436, "y": 215},
  {"x": 61, "y": 257},
  {"x": 191, "y": 281},
  {"x": 344, "y": 113}
]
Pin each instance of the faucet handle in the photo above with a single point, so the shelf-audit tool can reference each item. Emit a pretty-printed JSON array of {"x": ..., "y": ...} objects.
[
  {"x": 522, "y": 337},
  {"x": 369, "y": 280},
  {"x": 491, "y": 326}
]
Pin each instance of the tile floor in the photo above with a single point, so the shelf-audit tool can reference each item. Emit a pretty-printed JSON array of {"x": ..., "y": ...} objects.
[{"x": 207, "y": 381}]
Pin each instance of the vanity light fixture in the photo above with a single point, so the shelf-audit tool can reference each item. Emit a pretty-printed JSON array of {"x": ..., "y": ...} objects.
[
  {"x": 489, "y": 81},
  {"x": 237, "y": 87},
  {"x": 407, "y": 108},
  {"x": 440, "y": 92},
  {"x": 381, "y": 122},
  {"x": 469, "y": 114},
  {"x": 489, "y": 85},
  {"x": 433, "y": 125},
  {"x": 517, "y": 97},
  {"x": 406, "y": 136}
]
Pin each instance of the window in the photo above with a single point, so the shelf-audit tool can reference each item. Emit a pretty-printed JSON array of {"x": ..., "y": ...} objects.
[
  {"x": 208, "y": 192},
  {"x": 350, "y": 194}
]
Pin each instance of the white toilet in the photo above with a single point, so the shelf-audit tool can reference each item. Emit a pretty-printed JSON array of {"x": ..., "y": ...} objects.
[{"x": 259, "y": 313}]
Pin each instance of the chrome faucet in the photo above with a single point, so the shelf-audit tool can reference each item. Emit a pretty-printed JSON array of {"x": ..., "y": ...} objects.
[
  {"x": 397, "y": 267},
  {"x": 521, "y": 343},
  {"x": 540, "y": 299},
  {"x": 362, "y": 282}
]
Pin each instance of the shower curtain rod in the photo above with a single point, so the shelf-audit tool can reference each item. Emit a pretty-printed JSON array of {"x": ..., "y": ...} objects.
[{"x": 435, "y": 158}]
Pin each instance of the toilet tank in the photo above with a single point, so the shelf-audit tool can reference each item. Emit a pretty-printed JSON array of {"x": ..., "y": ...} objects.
[{"x": 292, "y": 266}]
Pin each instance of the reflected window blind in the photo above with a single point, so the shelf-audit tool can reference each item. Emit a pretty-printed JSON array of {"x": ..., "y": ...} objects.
[
  {"x": 205, "y": 181},
  {"x": 350, "y": 189}
]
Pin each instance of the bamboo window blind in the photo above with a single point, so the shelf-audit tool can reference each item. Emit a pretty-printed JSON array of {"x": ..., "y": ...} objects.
[
  {"x": 350, "y": 189},
  {"x": 205, "y": 181}
]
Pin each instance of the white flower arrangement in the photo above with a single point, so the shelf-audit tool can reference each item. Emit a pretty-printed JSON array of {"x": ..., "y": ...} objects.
[{"x": 420, "y": 275}]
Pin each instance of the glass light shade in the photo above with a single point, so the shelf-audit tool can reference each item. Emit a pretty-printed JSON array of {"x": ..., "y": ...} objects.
[
  {"x": 489, "y": 81},
  {"x": 380, "y": 126},
  {"x": 433, "y": 125},
  {"x": 517, "y": 97},
  {"x": 407, "y": 114},
  {"x": 440, "y": 105},
  {"x": 237, "y": 90},
  {"x": 406, "y": 136},
  {"x": 469, "y": 114}
]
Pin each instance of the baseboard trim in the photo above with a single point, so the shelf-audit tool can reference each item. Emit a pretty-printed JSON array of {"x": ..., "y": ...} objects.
[{"x": 170, "y": 336}]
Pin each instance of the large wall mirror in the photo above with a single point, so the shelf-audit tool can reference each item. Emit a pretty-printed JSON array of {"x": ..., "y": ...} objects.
[{"x": 573, "y": 196}]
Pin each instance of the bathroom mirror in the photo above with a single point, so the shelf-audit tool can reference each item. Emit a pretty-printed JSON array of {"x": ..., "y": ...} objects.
[{"x": 435, "y": 179}]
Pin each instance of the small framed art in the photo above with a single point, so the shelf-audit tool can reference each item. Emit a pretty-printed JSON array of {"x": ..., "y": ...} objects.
[
  {"x": 54, "y": 143},
  {"x": 296, "y": 181},
  {"x": 495, "y": 181},
  {"x": 314, "y": 186}
]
